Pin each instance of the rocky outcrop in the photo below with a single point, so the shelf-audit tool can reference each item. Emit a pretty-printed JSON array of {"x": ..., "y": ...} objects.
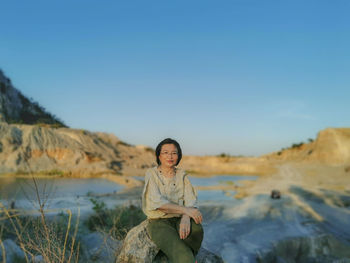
[
  {"x": 10, "y": 252},
  {"x": 323, "y": 248},
  {"x": 16, "y": 108},
  {"x": 99, "y": 247},
  {"x": 57, "y": 151},
  {"x": 139, "y": 248},
  {"x": 332, "y": 146}
]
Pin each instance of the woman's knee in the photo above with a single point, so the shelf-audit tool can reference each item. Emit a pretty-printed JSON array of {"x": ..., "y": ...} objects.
[
  {"x": 195, "y": 238},
  {"x": 196, "y": 229},
  {"x": 158, "y": 230},
  {"x": 181, "y": 254}
]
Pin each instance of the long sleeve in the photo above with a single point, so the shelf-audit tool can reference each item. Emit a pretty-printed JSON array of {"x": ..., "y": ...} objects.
[
  {"x": 190, "y": 194},
  {"x": 153, "y": 197}
]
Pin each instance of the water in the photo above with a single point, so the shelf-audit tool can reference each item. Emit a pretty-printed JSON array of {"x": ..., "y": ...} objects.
[
  {"x": 19, "y": 188},
  {"x": 56, "y": 192},
  {"x": 215, "y": 195},
  {"x": 218, "y": 180}
]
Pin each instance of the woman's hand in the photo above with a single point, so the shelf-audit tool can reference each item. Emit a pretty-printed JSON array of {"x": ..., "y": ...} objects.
[
  {"x": 194, "y": 213},
  {"x": 185, "y": 226}
]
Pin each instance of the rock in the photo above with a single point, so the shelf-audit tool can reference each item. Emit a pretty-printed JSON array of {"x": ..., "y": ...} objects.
[
  {"x": 347, "y": 169},
  {"x": 322, "y": 248},
  {"x": 139, "y": 248},
  {"x": 39, "y": 259},
  {"x": 99, "y": 247},
  {"x": 275, "y": 194},
  {"x": 205, "y": 256},
  {"x": 12, "y": 251},
  {"x": 70, "y": 152}
]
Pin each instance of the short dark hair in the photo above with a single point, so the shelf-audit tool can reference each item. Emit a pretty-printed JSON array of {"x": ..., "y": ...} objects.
[{"x": 169, "y": 141}]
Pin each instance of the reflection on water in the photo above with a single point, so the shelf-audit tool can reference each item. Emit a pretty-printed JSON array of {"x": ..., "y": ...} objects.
[{"x": 21, "y": 188}]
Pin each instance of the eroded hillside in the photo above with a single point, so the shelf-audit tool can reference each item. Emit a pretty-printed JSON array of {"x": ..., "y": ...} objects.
[
  {"x": 33, "y": 148},
  {"x": 332, "y": 147}
]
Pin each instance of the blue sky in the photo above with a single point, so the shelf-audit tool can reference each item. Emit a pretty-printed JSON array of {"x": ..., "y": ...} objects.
[{"x": 239, "y": 76}]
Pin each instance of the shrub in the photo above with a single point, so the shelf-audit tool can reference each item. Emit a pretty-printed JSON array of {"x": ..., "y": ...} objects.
[
  {"x": 297, "y": 145},
  {"x": 84, "y": 132},
  {"x": 53, "y": 172},
  {"x": 117, "y": 222},
  {"x": 21, "y": 172}
]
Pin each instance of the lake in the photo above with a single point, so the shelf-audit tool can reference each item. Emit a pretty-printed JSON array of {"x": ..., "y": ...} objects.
[
  {"x": 223, "y": 180},
  {"x": 58, "y": 193}
]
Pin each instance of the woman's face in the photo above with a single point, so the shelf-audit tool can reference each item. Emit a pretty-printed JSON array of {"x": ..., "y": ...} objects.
[{"x": 168, "y": 155}]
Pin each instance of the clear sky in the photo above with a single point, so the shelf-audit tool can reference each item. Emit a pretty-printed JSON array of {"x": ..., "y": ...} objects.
[{"x": 240, "y": 76}]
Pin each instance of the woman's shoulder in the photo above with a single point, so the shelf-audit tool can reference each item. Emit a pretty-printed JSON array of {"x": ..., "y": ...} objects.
[
  {"x": 181, "y": 172},
  {"x": 151, "y": 172}
]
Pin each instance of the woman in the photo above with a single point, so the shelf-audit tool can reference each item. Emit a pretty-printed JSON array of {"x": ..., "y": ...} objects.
[{"x": 169, "y": 201}]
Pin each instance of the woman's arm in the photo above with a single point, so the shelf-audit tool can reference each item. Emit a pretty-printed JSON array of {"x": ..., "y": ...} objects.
[
  {"x": 177, "y": 209},
  {"x": 170, "y": 208},
  {"x": 190, "y": 195}
]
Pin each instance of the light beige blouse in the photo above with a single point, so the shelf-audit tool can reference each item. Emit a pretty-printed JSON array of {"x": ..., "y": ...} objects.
[{"x": 160, "y": 190}]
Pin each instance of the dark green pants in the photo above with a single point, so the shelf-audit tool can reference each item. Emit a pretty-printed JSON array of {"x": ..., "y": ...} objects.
[{"x": 164, "y": 233}]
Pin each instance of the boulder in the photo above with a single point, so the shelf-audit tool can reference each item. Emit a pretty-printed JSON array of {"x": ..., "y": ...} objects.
[
  {"x": 38, "y": 259},
  {"x": 139, "y": 248},
  {"x": 275, "y": 194},
  {"x": 205, "y": 256},
  {"x": 99, "y": 247},
  {"x": 12, "y": 251}
]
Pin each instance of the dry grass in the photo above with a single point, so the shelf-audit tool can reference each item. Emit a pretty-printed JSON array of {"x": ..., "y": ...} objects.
[{"x": 36, "y": 235}]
